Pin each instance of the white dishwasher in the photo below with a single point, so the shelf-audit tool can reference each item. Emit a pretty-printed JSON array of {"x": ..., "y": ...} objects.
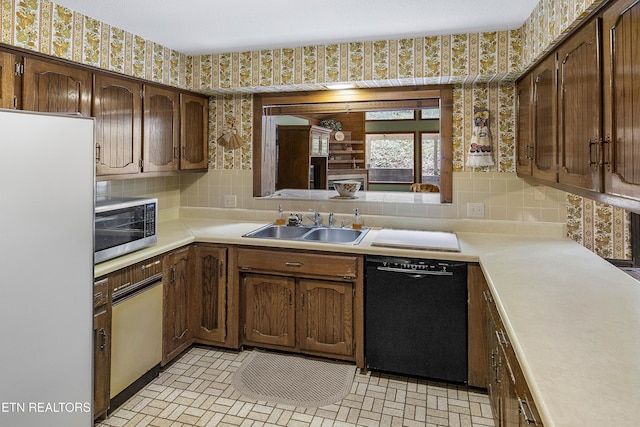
[{"x": 136, "y": 343}]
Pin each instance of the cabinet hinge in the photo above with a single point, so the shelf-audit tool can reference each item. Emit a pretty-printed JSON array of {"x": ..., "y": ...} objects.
[
  {"x": 19, "y": 69},
  {"x": 140, "y": 163},
  {"x": 142, "y": 93}
]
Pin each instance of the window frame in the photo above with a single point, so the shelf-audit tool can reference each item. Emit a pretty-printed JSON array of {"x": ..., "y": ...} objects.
[{"x": 266, "y": 105}]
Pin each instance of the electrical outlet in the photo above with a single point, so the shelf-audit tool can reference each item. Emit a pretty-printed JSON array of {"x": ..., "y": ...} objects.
[
  {"x": 230, "y": 201},
  {"x": 475, "y": 210}
]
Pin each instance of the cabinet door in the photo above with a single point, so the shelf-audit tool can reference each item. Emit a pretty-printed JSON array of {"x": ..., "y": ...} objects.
[
  {"x": 493, "y": 359},
  {"x": 325, "y": 316},
  {"x": 510, "y": 408},
  {"x": 269, "y": 309},
  {"x": 544, "y": 120},
  {"x": 194, "y": 135},
  {"x": 101, "y": 362},
  {"x": 524, "y": 140},
  {"x": 7, "y": 91},
  {"x": 579, "y": 110},
  {"x": 55, "y": 87},
  {"x": 476, "y": 327},
  {"x": 208, "y": 297},
  {"x": 621, "y": 32},
  {"x": 175, "y": 331},
  {"x": 117, "y": 108},
  {"x": 161, "y": 130}
]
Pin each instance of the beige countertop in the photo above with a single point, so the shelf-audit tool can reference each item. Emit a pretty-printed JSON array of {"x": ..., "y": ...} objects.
[{"x": 573, "y": 319}]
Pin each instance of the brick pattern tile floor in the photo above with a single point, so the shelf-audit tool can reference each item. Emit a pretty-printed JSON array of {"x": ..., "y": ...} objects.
[{"x": 196, "y": 390}]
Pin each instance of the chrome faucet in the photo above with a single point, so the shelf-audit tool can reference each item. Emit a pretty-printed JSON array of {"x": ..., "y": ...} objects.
[
  {"x": 330, "y": 219},
  {"x": 317, "y": 218}
]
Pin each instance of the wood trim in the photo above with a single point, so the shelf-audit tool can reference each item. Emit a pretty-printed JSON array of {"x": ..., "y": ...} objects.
[
  {"x": 478, "y": 347},
  {"x": 353, "y": 95}
]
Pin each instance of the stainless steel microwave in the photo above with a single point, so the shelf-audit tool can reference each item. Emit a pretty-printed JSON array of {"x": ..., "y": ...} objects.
[{"x": 124, "y": 225}]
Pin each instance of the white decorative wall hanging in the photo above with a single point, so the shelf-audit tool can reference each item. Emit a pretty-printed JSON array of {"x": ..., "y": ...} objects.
[{"x": 480, "y": 149}]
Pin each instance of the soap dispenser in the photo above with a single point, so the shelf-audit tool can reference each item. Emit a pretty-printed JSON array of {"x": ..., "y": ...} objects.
[
  {"x": 357, "y": 222},
  {"x": 280, "y": 217}
]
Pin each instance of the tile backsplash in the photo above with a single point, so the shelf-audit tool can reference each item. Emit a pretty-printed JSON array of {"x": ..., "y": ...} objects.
[{"x": 505, "y": 197}]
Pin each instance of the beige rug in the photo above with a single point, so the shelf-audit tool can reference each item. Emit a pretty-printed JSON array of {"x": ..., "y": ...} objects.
[{"x": 293, "y": 379}]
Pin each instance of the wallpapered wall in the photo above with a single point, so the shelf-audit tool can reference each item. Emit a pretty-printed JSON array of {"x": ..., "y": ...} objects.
[{"x": 481, "y": 66}]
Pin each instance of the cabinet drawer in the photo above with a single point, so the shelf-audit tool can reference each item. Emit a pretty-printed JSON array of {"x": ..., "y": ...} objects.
[
  {"x": 100, "y": 293},
  {"x": 147, "y": 268},
  {"x": 135, "y": 273},
  {"x": 298, "y": 263}
]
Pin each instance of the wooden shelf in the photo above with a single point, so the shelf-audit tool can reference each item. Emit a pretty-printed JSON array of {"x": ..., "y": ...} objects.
[
  {"x": 357, "y": 161},
  {"x": 346, "y": 142},
  {"x": 347, "y": 151}
]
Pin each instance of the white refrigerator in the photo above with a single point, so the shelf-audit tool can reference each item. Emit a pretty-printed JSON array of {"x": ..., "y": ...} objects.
[{"x": 47, "y": 185}]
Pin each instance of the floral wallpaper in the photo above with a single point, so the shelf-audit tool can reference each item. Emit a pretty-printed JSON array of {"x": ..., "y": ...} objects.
[{"x": 481, "y": 66}]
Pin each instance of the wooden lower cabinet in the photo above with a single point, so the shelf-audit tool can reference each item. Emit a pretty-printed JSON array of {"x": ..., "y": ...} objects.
[
  {"x": 101, "y": 347},
  {"x": 208, "y": 293},
  {"x": 176, "y": 333},
  {"x": 511, "y": 400},
  {"x": 197, "y": 303},
  {"x": 269, "y": 316},
  {"x": 302, "y": 302},
  {"x": 477, "y": 336},
  {"x": 325, "y": 316}
]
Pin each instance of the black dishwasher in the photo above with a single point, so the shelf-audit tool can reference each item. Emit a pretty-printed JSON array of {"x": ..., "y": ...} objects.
[{"x": 416, "y": 317}]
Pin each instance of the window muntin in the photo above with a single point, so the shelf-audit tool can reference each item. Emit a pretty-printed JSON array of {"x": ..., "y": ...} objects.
[{"x": 431, "y": 159}]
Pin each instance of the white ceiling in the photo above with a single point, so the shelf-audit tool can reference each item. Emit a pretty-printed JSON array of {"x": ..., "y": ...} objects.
[{"x": 197, "y": 27}]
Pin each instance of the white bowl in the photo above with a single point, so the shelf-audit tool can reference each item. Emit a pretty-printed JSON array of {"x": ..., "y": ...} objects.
[{"x": 347, "y": 188}]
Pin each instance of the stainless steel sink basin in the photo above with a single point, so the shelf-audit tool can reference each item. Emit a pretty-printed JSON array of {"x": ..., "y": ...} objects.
[
  {"x": 334, "y": 235},
  {"x": 272, "y": 231},
  {"x": 309, "y": 234}
]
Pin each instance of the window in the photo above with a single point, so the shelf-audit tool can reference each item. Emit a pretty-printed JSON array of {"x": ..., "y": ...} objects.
[
  {"x": 390, "y": 157},
  {"x": 401, "y": 151},
  {"x": 390, "y": 115},
  {"x": 431, "y": 161},
  {"x": 430, "y": 113}
]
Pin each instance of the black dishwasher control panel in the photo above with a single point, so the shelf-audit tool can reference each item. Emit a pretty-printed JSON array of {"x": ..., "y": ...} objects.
[{"x": 413, "y": 265}]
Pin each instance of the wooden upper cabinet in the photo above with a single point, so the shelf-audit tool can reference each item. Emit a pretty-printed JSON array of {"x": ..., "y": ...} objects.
[
  {"x": 621, "y": 36},
  {"x": 524, "y": 147},
  {"x": 7, "y": 92},
  {"x": 194, "y": 135},
  {"x": 544, "y": 120},
  {"x": 579, "y": 110},
  {"x": 161, "y": 129},
  {"x": 55, "y": 87},
  {"x": 117, "y": 108}
]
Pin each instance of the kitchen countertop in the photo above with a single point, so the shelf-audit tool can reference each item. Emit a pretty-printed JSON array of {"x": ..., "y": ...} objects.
[{"x": 573, "y": 319}]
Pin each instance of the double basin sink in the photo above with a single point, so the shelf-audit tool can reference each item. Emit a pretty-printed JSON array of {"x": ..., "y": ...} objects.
[{"x": 316, "y": 234}]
